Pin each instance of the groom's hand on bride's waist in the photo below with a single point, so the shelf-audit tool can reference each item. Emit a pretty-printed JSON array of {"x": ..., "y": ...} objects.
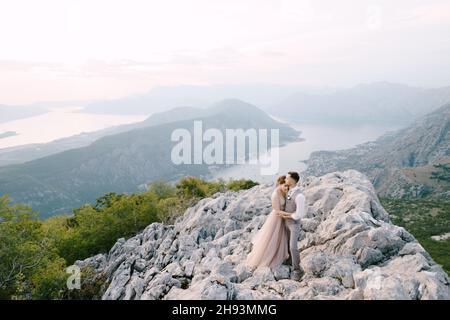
[
  {"x": 284, "y": 215},
  {"x": 280, "y": 213}
]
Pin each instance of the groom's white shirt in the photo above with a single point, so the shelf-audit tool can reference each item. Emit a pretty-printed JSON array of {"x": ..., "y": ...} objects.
[{"x": 299, "y": 203}]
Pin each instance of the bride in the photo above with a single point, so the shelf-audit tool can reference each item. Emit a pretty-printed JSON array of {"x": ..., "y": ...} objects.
[{"x": 271, "y": 243}]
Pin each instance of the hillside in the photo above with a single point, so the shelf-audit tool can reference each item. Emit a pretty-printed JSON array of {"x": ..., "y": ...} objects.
[
  {"x": 428, "y": 220},
  {"x": 24, "y": 153},
  {"x": 123, "y": 162},
  {"x": 396, "y": 162},
  {"x": 349, "y": 250}
]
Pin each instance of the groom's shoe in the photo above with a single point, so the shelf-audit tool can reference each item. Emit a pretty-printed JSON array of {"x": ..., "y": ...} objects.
[{"x": 297, "y": 274}]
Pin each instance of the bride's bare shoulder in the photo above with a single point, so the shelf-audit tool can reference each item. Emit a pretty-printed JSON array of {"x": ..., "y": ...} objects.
[{"x": 275, "y": 194}]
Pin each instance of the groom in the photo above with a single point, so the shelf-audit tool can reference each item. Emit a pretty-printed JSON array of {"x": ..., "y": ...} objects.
[{"x": 294, "y": 210}]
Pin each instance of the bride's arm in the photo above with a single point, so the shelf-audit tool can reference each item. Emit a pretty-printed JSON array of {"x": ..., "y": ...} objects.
[{"x": 275, "y": 201}]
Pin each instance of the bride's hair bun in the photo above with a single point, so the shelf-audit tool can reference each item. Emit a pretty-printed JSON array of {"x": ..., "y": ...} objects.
[{"x": 281, "y": 180}]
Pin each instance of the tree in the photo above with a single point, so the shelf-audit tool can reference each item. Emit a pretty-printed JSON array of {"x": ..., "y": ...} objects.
[
  {"x": 35, "y": 253},
  {"x": 23, "y": 248}
]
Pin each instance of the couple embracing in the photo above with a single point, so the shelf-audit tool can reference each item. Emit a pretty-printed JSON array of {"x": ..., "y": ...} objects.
[{"x": 277, "y": 240}]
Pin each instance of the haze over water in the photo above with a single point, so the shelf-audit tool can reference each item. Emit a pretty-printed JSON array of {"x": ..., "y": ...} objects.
[{"x": 59, "y": 123}]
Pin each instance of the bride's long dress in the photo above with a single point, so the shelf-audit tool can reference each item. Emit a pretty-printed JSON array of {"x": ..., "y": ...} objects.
[{"x": 270, "y": 244}]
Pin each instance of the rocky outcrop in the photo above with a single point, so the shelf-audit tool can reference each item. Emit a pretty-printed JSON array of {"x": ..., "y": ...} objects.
[{"x": 349, "y": 250}]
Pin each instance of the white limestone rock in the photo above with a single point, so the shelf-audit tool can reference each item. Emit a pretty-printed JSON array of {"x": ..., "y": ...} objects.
[{"x": 348, "y": 247}]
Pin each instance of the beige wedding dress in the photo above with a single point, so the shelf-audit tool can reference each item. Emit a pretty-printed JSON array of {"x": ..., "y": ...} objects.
[{"x": 271, "y": 242}]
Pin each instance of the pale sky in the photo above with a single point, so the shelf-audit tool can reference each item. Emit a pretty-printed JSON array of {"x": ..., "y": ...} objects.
[{"x": 96, "y": 49}]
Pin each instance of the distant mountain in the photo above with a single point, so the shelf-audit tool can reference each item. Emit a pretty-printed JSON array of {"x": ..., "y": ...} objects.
[
  {"x": 167, "y": 97},
  {"x": 379, "y": 102},
  {"x": 123, "y": 162},
  {"x": 399, "y": 163},
  {"x": 28, "y": 152},
  {"x": 10, "y": 113}
]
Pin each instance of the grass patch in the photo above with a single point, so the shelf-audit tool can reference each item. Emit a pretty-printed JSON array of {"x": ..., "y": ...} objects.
[{"x": 424, "y": 218}]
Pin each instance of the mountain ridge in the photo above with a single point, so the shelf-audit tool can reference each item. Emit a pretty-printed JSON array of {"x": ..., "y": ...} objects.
[
  {"x": 379, "y": 102},
  {"x": 122, "y": 162},
  {"x": 29, "y": 152},
  {"x": 423, "y": 143},
  {"x": 375, "y": 102}
]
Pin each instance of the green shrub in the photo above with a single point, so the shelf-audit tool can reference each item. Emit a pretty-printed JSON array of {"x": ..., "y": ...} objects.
[
  {"x": 241, "y": 184},
  {"x": 424, "y": 218},
  {"x": 35, "y": 253}
]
